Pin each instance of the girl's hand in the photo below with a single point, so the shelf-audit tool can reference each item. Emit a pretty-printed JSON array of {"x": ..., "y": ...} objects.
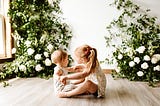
[{"x": 63, "y": 79}]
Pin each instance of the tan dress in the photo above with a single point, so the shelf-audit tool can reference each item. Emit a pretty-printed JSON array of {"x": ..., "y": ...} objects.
[{"x": 98, "y": 77}]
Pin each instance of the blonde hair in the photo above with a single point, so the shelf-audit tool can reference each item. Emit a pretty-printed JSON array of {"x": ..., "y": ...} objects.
[
  {"x": 58, "y": 56},
  {"x": 84, "y": 52}
]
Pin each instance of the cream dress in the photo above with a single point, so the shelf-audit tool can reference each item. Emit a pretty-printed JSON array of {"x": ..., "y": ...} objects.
[{"x": 98, "y": 77}]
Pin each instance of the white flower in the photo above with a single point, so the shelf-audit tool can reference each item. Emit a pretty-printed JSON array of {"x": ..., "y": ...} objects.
[
  {"x": 136, "y": 60},
  {"x": 18, "y": 43},
  {"x": 158, "y": 35},
  {"x": 141, "y": 49},
  {"x": 117, "y": 69},
  {"x": 157, "y": 68},
  {"x": 37, "y": 57},
  {"x": 147, "y": 58},
  {"x": 38, "y": 67},
  {"x": 144, "y": 65},
  {"x": 155, "y": 58},
  {"x": 120, "y": 56},
  {"x": 50, "y": 47},
  {"x": 14, "y": 50},
  {"x": 22, "y": 67},
  {"x": 46, "y": 54},
  {"x": 30, "y": 51},
  {"x": 131, "y": 63},
  {"x": 27, "y": 43},
  {"x": 48, "y": 62},
  {"x": 140, "y": 73}
]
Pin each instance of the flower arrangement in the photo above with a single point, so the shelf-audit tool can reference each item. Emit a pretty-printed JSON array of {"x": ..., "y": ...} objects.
[
  {"x": 137, "y": 56},
  {"x": 140, "y": 65},
  {"x": 38, "y": 30}
]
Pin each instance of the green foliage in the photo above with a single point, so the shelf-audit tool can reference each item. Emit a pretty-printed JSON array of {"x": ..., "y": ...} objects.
[
  {"x": 138, "y": 55},
  {"x": 38, "y": 30}
]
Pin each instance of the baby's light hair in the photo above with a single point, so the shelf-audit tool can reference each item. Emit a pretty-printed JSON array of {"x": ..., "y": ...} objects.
[{"x": 58, "y": 56}]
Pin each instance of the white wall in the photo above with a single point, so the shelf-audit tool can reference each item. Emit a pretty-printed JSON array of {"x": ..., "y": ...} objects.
[{"x": 89, "y": 18}]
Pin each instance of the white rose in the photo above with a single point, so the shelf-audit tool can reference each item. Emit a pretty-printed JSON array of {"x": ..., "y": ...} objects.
[
  {"x": 46, "y": 54},
  {"x": 144, "y": 65},
  {"x": 155, "y": 58},
  {"x": 27, "y": 43},
  {"x": 22, "y": 67},
  {"x": 141, "y": 49},
  {"x": 136, "y": 60},
  {"x": 37, "y": 57},
  {"x": 157, "y": 68},
  {"x": 131, "y": 63},
  {"x": 147, "y": 58},
  {"x": 50, "y": 47},
  {"x": 140, "y": 73},
  {"x": 18, "y": 43},
  {"x": 120, "y": 56},
  {"x": 38, "y": 67},
  {"x": 30, "y": 51},
  {"x": 158, "y": 35},
  {"x": 14, "y": 50},
  {"x": 117, "y": 69},
  {"x": 48, "y": 62}
]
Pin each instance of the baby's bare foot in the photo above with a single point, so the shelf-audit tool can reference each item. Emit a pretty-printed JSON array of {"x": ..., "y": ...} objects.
[{"x": 62, "y": 95}]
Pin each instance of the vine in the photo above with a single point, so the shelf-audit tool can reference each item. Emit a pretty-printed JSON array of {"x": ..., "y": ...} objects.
[
  {"x": 38, "y": 30},
  {"x": 138, "y": 55}
]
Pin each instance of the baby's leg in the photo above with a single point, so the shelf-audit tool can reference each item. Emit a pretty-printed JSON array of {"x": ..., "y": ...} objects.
[{"x": 86, "y": 87}]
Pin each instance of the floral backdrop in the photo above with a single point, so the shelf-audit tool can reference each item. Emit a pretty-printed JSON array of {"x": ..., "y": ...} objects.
[
  {"x": 136, "y": 52},
  {"x": 38, "y": 30}
]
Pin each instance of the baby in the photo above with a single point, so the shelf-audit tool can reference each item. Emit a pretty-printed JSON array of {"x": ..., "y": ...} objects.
[{"x": 60, "y": 59}]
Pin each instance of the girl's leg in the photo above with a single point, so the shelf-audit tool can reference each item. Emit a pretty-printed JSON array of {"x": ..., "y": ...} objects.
[
  {"x": 77, "y": 81},
  {"x": 87, "y": 86}
]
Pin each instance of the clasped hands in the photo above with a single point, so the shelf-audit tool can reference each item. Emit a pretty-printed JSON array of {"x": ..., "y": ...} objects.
[{"x": 63, "y": 79}]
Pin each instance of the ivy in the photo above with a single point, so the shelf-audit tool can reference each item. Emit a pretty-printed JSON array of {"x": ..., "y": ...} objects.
[{"x": 38, "y": 30}]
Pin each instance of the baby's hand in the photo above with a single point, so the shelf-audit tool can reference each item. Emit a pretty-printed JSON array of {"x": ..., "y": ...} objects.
[{"x": 63, "y": 79}]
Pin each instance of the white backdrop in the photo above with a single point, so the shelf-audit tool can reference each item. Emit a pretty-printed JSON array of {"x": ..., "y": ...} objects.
[{"x": 88, "y": 20}]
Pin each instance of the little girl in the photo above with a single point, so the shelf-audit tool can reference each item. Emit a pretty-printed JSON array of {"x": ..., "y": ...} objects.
[{"x": 60, "y": 58}]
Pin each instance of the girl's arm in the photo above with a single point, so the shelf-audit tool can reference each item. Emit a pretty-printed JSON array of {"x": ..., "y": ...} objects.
[
  {"x": 78, "y": 75},
  {"x": 86, "y": 70},
  {"x": 77, "y": 68}
]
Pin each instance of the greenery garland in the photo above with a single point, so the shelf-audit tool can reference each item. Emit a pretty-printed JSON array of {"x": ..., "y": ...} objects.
[
  {"x": 38, "y": 30},
  {"x": 138, "y": 55}
]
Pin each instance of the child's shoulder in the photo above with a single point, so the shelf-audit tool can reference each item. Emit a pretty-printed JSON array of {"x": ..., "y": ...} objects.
[{"x": 56, "y": 68}]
